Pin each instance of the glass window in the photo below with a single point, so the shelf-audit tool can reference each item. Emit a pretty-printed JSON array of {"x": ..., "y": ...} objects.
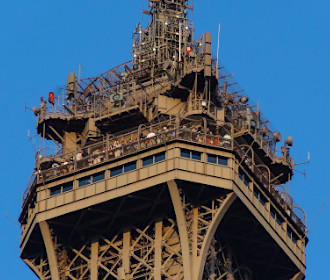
[
  {"x": 55, "y": 190},
  {"x": 212, "y": 159},
  {"x": 196, "y": 155},
  {"x": 147, "y": 161},
  {"x": 292, "y": 235},
  {"x": 185, "y": 153},
  {"x": 116, "y": 171},
  {"x": 240, "y": 174},
  {"x": 256, "y": 192},
  {"x": 279, "y": 219},
  {"x": 276, "y": 216},
  {"x": 262, "y": 199},
  {"x": 272, "y": 212},
  {"x": 68, "y": 187},
  {"x": 160, "y": 157},
  {"x": 222, "y": 160},
  {"x": 130, "y": 166},
  {"x": 289, "y": 232},
  {"x": 98, "y": 177},
  {"x": 246, "y": 180},
  {"x": 259, "y": 196},
  {"x": 84, "y": 181}
]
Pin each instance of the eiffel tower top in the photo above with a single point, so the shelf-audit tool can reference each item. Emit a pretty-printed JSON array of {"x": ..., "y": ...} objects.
[
  {"x": 151, "y": 156},
  {"x": 171, "y": 80}
]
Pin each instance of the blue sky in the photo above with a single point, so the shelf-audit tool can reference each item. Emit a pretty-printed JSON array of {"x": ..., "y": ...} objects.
[{"x": 278, "y": 51}]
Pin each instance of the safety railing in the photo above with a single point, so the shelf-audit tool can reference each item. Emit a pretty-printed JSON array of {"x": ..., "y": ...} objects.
[
  {"x": 149, "y": 136},
  {"x": 264, "y": 179},
  {"x": 117, "y": 147}
]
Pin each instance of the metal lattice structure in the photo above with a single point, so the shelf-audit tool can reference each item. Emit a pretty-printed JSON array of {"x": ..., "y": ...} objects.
[{"x": 162, "y": 170}]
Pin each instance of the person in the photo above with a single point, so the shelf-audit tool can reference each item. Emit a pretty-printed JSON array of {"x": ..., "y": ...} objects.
[
  {"x": 55, "y": 165},
  {"x": 151, "y": 134},
  {"x": 98, "y": 156},
  {"x": 117, "y": 146},
  {"x": 194, "y": 134},
  {"x": 186, "y": 132},
  {"x": 111, "y": 148},
  {"x": 227, "y": 140},
  {"x": 151, "y": 137},
  {"x": 79, "y": 156},
  {"x": 131, "y": 144},
  {"x": 216, "y": 140},
  {"x": 38, "y": 174},
  {"x": 159, "y": 136}
]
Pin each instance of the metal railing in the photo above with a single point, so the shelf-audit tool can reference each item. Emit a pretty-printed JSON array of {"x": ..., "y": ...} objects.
[
  {"x": 118, "y": 147},
  {"x": 151, "y": 136}
]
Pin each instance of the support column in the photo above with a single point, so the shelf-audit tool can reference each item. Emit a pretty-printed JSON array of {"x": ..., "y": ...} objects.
[
  {"x": 298, "y": 276},
  {"x": 50, "y": 249},
  {"x": 158, "y": 250},
  {"x": 194, "y": 236},
  {"x": 94, "y": 259},
  {"x": 199, "y": 268},
  {"x": 126, "y": 254},
  {"x": 34, "y": 268},
  {"x": 182, "y": 227}
]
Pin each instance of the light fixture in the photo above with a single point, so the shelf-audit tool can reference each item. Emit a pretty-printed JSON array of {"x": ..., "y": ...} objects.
[
  {"x": 189, "y": 49},
  {"x": 289, "y": 141},
  {"x": 277, "y": 136},
  {"x": 264, "y": 131},
  {"x": 244, "y": 99}
]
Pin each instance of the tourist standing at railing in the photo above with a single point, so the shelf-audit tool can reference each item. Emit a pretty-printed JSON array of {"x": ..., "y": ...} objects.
[
  {"x": 227, "y": 140},
  {"x": 117, "y": 146},
  {"x": 164, "y": 134},
  {"x": 131, "y": 144},
  {"x": 186, "y": 132},
  {"x": 200, "y": 135},
  {"x": 194, "y": 134},
  {"x": 151, "y": 138},
  {"x": 79, "y": 156},
  {"x": 110, "y": 151}
]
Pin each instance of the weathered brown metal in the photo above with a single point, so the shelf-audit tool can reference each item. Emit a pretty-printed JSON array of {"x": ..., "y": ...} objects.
[{"x": 164, "y": 171}]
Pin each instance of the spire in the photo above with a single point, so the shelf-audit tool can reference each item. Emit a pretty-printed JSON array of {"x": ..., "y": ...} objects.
[{"x": 168, "y": 32}]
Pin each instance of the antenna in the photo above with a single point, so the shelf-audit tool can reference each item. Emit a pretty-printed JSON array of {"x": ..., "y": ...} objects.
[
  {"x": 79, "y": 73},
  {"x": 27, "y": 108},
  {"x": 142, "y": 13},
  {"x": 180, "y": 41},
  {"x": 316, "y": 217},
  {"x": 301, "y": 172},
  {"x": 32, "y": 139},
  {"x": 218, "y": 48},
  {"x": 12, "y": 220},
  {"x": 305, "y": 162}
]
